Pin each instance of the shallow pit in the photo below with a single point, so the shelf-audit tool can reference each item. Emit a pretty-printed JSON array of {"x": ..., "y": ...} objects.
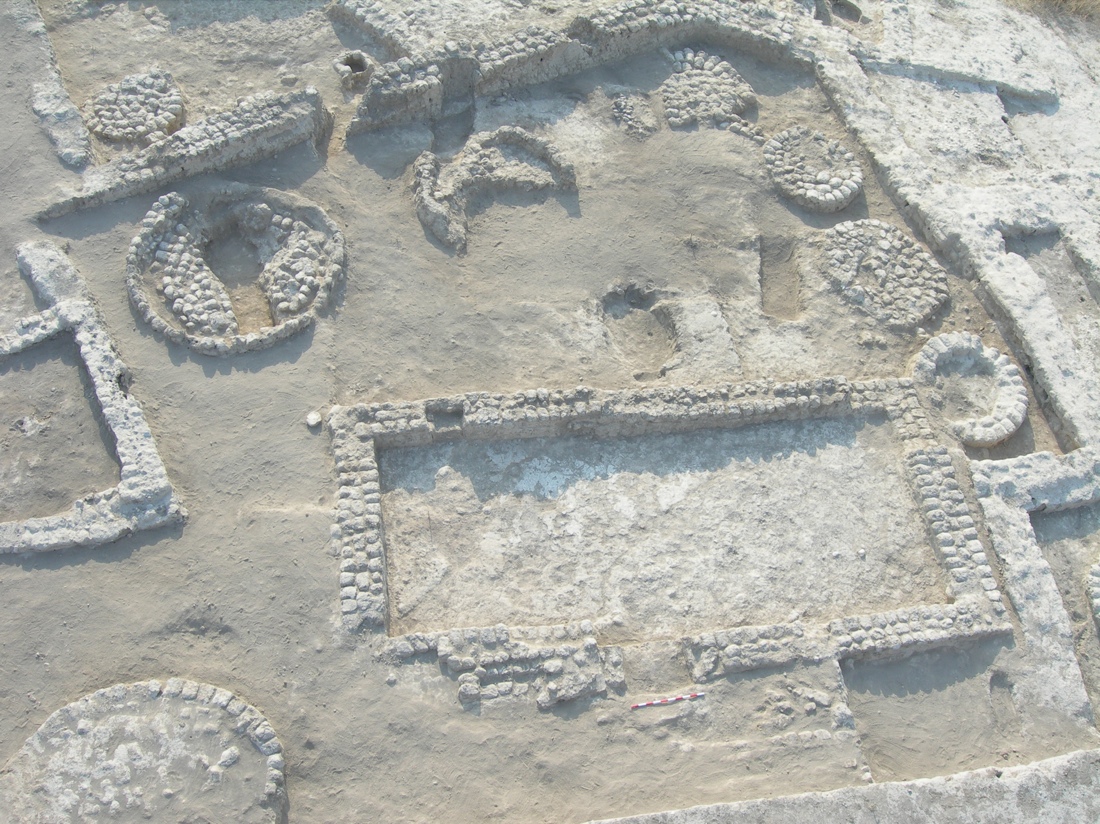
[{"x": 673, "y": 533}]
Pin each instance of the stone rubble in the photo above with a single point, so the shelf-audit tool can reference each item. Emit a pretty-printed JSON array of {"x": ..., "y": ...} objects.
[
  {"x": 633, "y": 113},
  {"x": 555, "y": 664}
]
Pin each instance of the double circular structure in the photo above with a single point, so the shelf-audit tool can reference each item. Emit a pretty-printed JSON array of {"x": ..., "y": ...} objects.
[
  {"x": 299, "y": 251},
  {"x": 877, "y": 268},
  {"x": 963, "y": 354},
  {"x": 813, "y": 171}
]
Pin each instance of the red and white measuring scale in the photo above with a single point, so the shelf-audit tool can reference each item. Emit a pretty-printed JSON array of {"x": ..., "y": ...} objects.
[{"x": 688, "y": 696}]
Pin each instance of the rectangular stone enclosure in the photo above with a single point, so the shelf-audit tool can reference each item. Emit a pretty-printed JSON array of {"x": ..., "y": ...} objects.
[{"x": 668, "y": 532}]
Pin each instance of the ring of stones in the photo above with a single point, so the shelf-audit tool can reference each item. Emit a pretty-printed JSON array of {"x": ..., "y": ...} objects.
[
  {"x": 966, "y": 349},
  {"x": 813, "y": 171}
]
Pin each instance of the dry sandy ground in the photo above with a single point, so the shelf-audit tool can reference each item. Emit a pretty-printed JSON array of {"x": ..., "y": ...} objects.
[{"x": 243, "y": 595}]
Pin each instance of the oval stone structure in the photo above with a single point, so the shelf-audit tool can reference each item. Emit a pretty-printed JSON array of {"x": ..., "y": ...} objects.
[
  {"x": 177, "y": 751},
  {"x": 879, "y": 269},
  {"x": 140, "y": 108}
]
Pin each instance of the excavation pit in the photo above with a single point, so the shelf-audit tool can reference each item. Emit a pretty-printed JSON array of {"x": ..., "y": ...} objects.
[{"x": 672, "y": 533}]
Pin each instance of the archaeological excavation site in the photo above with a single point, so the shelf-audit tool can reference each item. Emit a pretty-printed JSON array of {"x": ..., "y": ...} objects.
[{"x": 549, "y": 411}]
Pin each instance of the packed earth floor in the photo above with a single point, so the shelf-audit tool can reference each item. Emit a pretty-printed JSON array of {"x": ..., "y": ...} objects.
[{"x": 398, "y": 400}]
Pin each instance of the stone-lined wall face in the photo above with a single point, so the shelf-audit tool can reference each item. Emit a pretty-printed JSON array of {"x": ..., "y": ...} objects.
[
  {"x": 535, "y": 54},
  {"x": 375, "y": 20},
  {"x": 144, "y": 498},
  {"x": 170, "y": 283},
  {"x": 152, "y": 749}
]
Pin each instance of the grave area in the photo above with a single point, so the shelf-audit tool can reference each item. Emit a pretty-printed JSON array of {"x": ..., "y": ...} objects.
[{"x": 573, "y": 411}]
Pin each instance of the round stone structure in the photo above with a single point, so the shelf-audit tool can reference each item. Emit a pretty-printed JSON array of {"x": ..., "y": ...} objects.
[
  {"x": 876, "y": 267},
  {"x": 150, "y": 751},
  {"x": 298, "y": 249},
  {"x": 139, "y": 108},
  {"x": 964, "y": 354},
  {"x": 820, "y": 174},
  {"x": 704, "y": 89}
]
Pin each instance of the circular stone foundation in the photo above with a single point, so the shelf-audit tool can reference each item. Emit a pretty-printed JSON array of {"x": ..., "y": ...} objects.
[
  {"x": 285, "y": 257},
  {"x": 813, "y": 171},
  {"x": 139, "y": 108},
  {"x": 178, "y": 751},
  {"x": 877, "y": 268},
  {"x": 705, "y": 89},
  {"x": 961, "y": 356}
]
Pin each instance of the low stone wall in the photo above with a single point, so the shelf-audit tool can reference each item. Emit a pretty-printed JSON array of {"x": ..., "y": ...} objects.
[
  {"x": 441, "y": 192},
  {"x": 259, "y": 126},
  {"x": 558, "y": 663},
  {"x": 58, "y": 115},
  {"x": 410, "y": 88},
  {"x": 143, "y": 498}
]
